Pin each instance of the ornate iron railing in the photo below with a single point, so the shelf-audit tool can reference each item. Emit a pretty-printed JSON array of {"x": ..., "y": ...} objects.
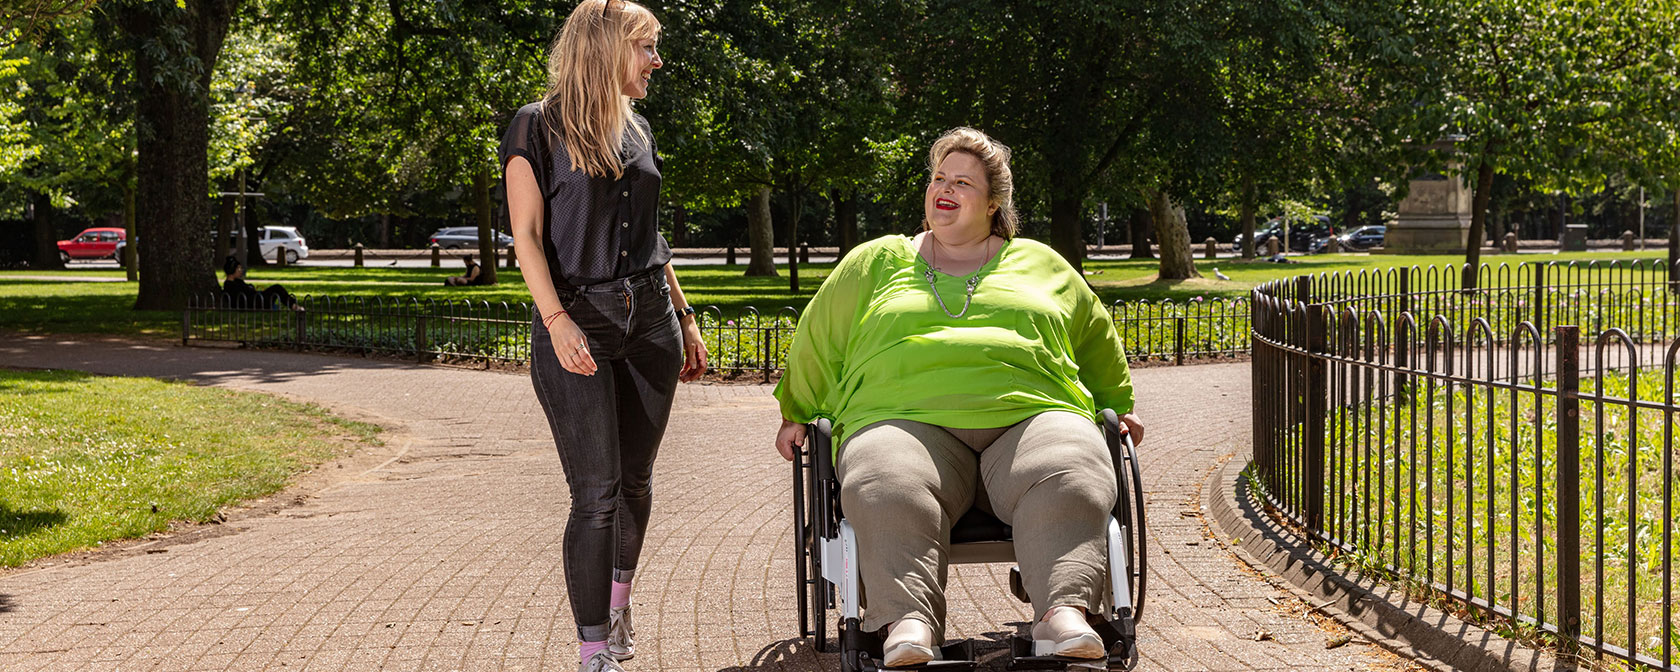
[
  {"x": 747, "y": 344},
  {"x": 1510, "y": 446}
]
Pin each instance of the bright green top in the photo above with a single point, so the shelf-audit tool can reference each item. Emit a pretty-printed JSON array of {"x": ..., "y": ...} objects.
[{"x": 874, "y": 344}]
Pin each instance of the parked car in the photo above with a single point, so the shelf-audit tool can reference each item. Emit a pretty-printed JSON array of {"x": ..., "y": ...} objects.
[
  {"x": 273, "y": 238},
  {"x": 465, "y": 238},
  {"x": 1302, "y": 233},
  {"x": 1365, "y": 237},
  {"x": 277, "y": 238},
  {"x": 1262, "y": 233},
  {"x": 95, "y": 243}
]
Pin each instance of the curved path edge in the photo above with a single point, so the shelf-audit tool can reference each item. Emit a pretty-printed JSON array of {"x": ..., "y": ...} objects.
[{"x": 1378, "y": 612}]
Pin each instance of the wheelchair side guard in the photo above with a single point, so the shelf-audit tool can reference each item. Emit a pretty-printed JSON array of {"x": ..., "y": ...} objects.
[
  {"x": 1119, "y": 570},
  {"x": 839, "y": 567}
]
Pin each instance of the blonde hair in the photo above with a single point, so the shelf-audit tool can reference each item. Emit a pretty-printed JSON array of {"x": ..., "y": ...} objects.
[
  {"x": 585, "y": 107},
  {"x": 994, "y": 156}
]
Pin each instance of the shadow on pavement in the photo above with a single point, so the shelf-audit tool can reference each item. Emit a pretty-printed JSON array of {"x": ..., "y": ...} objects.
[
  {"x": 205, "y": 365},
  {"x": 798, "y": 655},
  {"x": 5, "y": 603},
  {"x": 794, "y": 654}
]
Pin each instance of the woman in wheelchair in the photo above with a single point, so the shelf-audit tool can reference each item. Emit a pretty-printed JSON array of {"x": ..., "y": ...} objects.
[{"x": 964, "y": 367}]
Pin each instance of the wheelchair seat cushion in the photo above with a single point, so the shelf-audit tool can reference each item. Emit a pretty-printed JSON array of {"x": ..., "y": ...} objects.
[{"x": 977, "y": 526}]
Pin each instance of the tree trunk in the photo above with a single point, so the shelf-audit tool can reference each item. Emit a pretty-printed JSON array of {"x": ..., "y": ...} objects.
[
  {"x": 253, "y": 235},
  {"x": 1246, "y": 217},
  {"x": 679, "y": 227},
  {"x": 1478, "y": 223},
  {"x": 1139, "y": 226},
  {"x": 761, "y": 235},
  {"x": 795, "y": 206},
  {"x": 224, "y": 230},
  {"x": 385, "y": 230},
  {"x": 172, "y": 119},
  {"x": 1065, "y": 234},
  {"x": 131, "y": 257},
  {"x": 46, "y": 233},
  {"x": 1178, "y": 260},
  {"x": 1559, "y": 217},
  {"x": 487, "y": 238},
  {"x": 846, "y": 220},
  {"x": 1674, "y": 245}
]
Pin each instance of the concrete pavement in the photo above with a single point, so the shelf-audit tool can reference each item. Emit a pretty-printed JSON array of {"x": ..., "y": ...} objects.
[{"x": 446, "y": 556}]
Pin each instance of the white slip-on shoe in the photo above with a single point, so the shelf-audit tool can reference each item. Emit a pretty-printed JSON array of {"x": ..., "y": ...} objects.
[
  {"x": 909, "y": 642},
  {"x": 621, "y": 635},
  {"x": 601, "y": 662},
  {"x": 1064, "y": 632}
]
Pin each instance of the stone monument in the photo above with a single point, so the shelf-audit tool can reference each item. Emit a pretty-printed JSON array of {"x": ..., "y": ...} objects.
[{"x": 1433, "y": 217}]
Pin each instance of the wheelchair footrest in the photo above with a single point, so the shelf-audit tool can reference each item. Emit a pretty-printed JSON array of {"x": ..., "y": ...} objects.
[
  {"x": 957, "y": 657},
  {"x": 1021, "y": 658}
]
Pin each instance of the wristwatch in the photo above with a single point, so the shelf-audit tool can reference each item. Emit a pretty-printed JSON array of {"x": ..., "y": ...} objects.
[{"x": 685, "y": 311}]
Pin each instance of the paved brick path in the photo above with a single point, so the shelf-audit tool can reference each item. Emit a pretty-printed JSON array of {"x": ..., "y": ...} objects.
[{"x": 447, "y": 557}]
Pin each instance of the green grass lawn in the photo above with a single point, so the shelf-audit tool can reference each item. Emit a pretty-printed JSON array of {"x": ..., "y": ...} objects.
[
  {"x": 104, "y": 307},
  {"x": 86, "y": 459}
]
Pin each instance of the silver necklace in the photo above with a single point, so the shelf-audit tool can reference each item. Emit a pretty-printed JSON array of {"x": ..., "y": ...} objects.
[{"x": 968, "y": 296}]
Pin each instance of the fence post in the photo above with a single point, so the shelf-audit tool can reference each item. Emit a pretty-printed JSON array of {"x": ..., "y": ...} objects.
[
  {"x": 1178, "y": 340},
  {"x": 1317, "y": 392},
  {"x": 1403, "y": 350},
  {"x": 1538, "y": 315},
  {"x": 420, "y": 338},
  {"x": 358, "y": 251},
  {"x": 186, "y": 322},
  {"x": 297, "y": 319},
  {"x": 437, "y": 256},
  {"x": 1568, "y": 482}
]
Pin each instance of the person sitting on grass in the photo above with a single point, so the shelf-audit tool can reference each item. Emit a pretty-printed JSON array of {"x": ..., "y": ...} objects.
[
  {"x": 473, "y": 276},
  {"x": 242, "y": 295}
]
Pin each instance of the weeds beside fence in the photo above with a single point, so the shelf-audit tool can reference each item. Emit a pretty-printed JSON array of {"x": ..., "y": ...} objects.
[
  {"x": 1510, "y": 447},
  {"x": 747, "y": 344}
]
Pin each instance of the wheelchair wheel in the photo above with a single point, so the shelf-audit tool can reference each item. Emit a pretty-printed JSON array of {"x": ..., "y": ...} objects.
[{"x": 1132, "y": 512}]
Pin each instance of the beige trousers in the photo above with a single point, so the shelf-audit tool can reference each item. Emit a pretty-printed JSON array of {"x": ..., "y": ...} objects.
[{"x": 904, "y": 483}]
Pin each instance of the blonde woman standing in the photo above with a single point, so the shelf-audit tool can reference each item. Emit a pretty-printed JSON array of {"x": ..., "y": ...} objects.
[{"x": 612, "y": 333}]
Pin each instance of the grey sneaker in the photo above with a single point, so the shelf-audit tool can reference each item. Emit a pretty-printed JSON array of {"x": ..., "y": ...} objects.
[
  {"x": 601, "y": 662},
  {"x": 621, "y": 638}
]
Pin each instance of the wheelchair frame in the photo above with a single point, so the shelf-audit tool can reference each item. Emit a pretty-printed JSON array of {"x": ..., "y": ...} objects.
[{"x": 826, "y": 552}]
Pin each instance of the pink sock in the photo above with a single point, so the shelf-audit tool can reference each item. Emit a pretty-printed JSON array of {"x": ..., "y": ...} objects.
[
  {"x": 588, "y": 649},
  {"x": 620, "y": 595}
]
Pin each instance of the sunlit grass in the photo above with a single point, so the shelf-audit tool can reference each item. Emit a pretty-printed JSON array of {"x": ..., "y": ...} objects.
[{"x": 87, "y": 459}]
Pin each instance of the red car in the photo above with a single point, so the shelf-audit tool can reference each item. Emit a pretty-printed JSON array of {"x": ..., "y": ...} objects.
[{"x": 97, "y": 243}]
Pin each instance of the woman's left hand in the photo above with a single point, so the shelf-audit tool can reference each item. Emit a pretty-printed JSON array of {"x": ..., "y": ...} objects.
[{"x": 694, "y": 352}]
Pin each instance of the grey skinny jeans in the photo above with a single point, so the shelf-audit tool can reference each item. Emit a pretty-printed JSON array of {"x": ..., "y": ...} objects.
[
  {"x": 607, "y": 428},
  {"x": 904, "y": 483}
]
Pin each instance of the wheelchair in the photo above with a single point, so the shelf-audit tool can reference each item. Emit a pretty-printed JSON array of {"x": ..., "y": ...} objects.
[{"x": 826, "y": 575}]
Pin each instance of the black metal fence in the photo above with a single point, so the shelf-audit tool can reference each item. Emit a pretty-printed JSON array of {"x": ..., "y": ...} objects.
[
  {"x": 747, "y": 344},
  {"x": 1510, "y": 447}
]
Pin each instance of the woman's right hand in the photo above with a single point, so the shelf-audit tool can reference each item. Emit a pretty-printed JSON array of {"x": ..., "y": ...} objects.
[
  {"x": 790, "y": 438},
  {"x": 570, "y": 346}
]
